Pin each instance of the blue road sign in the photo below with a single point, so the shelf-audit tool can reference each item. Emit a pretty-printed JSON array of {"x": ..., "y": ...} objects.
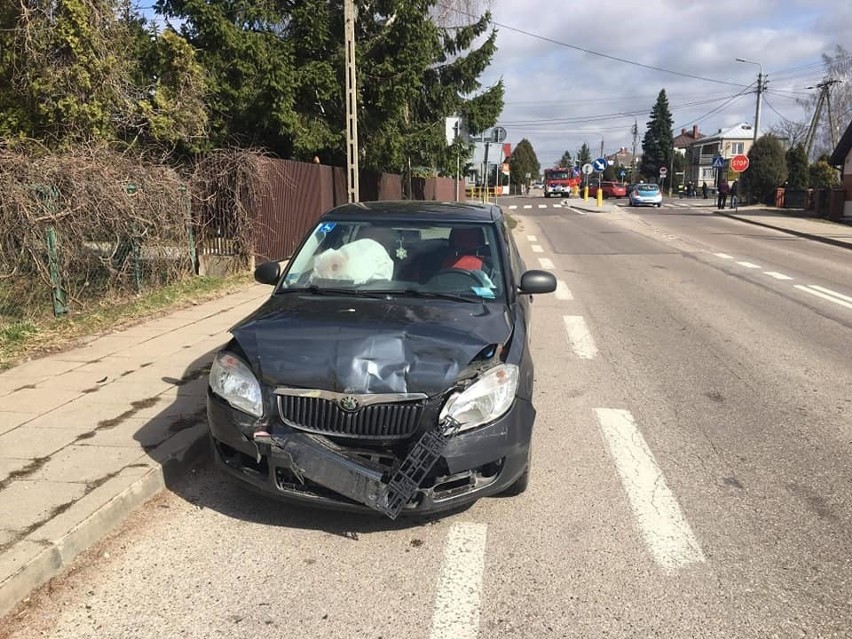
[
  {"x": 622, "y": 172},
  {"x": 718, "y": 162},
  {"x": 599, "y": 164}
]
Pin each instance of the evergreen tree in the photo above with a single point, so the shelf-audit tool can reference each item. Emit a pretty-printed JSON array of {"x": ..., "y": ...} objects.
[
  {"x": 822, "y": 175},
  {"x": 657, "y": 145},
  {"x": 767, "y": 169},
  {"x": 584, "y": 155},
  {"x": 566, "y": 160},
  {"x": 523, "y": 161},
  {"x": 797, "y": 167}
]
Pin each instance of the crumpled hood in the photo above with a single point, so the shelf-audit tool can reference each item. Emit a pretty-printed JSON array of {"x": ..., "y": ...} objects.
[{"x": 362, "y": 345}]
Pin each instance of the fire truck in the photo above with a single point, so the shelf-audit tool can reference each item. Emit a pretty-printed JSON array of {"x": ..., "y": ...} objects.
[{"x": 560, "y": 182}]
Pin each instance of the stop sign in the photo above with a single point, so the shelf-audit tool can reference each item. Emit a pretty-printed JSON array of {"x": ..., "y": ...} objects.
[{"x": 739, "y": 163}]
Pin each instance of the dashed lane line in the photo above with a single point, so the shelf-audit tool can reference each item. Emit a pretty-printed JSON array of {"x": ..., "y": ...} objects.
[
  {"x": 513, "y": 206},
  {"x": 532, "y": 238},
  {"x": 457, "y": 598},
  {"x": 777, "y": 276},
  {"x": 724, "y": 256},
  {"x": 748, "y": 265},
  {"x": 562, "y": 291},
  {"x": 546, "y": 263},
  {"x": 579, "y": 337},
  {"x": 537, "y": 249},
  {"x": 827, "y": 294},
  {"x": 527, "y": 206},
  {"x": 660, "y": 518},
  {"x": 542, "y": 206}
]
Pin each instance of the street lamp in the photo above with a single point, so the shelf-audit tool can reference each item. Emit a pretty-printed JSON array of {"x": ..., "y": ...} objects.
[{"x": 759, "y": 94}]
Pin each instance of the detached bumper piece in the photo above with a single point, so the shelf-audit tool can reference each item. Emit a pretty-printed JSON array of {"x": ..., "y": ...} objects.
[{"x": 316, "y": 458}]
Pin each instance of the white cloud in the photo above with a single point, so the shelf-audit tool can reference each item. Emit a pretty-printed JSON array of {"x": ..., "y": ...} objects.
[{"x": 553, "y": 92}]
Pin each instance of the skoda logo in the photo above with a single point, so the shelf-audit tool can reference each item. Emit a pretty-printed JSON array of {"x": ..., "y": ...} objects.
[{"x": 349, "y": 404}]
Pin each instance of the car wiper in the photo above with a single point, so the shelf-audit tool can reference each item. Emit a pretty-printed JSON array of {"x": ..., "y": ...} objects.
[
  {"x": 316, "y": 290},
  {"x": 413, "y": 292}
]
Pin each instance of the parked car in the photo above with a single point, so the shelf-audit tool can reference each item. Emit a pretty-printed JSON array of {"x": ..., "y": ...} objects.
[
  {"x": 646, "y": 195},
  {"x": 390, "y": 369},
  {"x": 610, "y": 189}
]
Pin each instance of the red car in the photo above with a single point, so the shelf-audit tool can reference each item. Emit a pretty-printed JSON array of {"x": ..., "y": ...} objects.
[{"x": 610, "y": 189}]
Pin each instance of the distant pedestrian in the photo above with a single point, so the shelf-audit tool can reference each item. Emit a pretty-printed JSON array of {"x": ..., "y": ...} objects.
[
  {"x": 704, "y": 189},
  {"x": 724, "y": 189},
  {"x": 735, "y": 189}
]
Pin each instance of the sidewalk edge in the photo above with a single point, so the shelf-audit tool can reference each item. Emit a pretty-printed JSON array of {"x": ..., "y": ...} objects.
[
  {"x": 60, "y": 554},
  {"x": 802, "y": 234}
]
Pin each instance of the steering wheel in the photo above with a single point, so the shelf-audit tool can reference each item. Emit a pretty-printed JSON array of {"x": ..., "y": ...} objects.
[{"x": 454, "y": 279}]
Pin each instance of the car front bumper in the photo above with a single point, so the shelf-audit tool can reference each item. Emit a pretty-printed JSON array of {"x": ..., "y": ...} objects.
[{"x": 474, "y": 464}]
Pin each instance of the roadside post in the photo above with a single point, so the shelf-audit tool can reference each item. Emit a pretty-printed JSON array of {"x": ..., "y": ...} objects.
[
  {"x": 663, "y": 173},
  {"x": 587, "y": 170},
  {"x": 600, "y": 166},
  {"x": 739, "y": 163}
]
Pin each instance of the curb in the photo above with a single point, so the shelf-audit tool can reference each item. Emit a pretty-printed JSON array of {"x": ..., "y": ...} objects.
[
  {"x": 802, "y": 234},
  {"x": 172, "y": 458}
]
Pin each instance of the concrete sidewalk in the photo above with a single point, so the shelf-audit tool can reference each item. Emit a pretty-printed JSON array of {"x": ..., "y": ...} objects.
[{"x": 88, "y": 435}]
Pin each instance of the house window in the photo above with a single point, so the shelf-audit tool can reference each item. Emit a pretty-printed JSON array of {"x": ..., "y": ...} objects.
[{"x": 737, "y": 147}]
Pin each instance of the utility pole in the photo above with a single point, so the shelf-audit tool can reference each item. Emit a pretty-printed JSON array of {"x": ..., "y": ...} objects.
[
  {"x": 824, "y": 98},
  {"x": 761, "y": 87},
  {"x": 351, "y": 102},
  {"x": 633, "y": 161}
]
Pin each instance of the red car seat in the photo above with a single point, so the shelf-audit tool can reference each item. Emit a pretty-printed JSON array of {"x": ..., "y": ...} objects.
[{"x": 465, "y": 244}]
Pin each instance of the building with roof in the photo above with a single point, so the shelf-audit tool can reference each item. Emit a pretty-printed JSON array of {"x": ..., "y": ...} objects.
[
  {"x": 726, "y": 143},
  {"x": 842, "y": 158}
]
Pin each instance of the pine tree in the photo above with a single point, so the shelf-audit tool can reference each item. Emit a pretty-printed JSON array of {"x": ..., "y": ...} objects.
[
  {"x": 566, "y": 160},
  {"x": 797, "y": 167},
  {"x": 657, "y": 145},
  {"x": 584, "y": 155},
  {"x": 523, "y": 161}
]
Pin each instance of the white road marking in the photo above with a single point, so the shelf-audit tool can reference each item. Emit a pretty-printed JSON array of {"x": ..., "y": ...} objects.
[
  {"x": 537, "y": 249},
  {"x": 532, "y": 238},
  {"x": 542, "y": 206},
  {"x": 828, "y": 291},
  {"x": 513, "y": 206},
  {"x": 818, "y": 291},
  {"x": 546, "y": 263},
  {"x": 557, "y": 206},
  {"x": 457, "y": 599},
  {"x": 748, "y": 265},
  {"x": 579, "y": 211},
  {"x": 562, "y": 291},
  {"x": 660, "y": 518},
  {"x": 527, "y": 206},
  {"x": 777, "y": 276},
  {"x": 724, "y": 256},
  {"x": 579, "y": 338}
]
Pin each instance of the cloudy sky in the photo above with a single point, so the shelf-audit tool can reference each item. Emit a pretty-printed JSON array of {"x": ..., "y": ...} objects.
[{"x": 558, "y": 96}]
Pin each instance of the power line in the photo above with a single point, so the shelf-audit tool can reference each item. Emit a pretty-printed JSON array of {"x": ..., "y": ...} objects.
[
  {"x": 718, "y": 108},
  {"x": 591, "y": 52}
]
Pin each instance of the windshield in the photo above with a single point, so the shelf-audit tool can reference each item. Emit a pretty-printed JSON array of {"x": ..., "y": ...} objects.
[
  {"x": 556, "y": 175},
  {"x": 392, "y": 257}
]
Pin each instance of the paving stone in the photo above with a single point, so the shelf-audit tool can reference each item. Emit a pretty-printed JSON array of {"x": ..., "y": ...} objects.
[
  {"x": 24, "y": 503},
  {"x": 9, "y": 466},
  {"x": 81, "y": 416},
  {"x": 90, "y": 503},
  {"x": 10, "y": 420},
  {"x": 146, "y": 434},
  {"x": 31, "y": 442},
  {"x": 85, "y": 463},
  {"x": 37, "y": 400},
  {"x": 76, "y": 380}
]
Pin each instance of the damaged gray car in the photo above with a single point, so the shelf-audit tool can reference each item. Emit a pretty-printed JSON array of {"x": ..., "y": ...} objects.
[{"x": 390, "y": 369}]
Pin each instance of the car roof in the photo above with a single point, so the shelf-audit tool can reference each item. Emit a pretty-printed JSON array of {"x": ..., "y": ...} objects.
[{"x": 411, "y": 209}]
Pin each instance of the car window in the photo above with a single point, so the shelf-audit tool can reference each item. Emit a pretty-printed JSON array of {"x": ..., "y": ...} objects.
[
  {"x": 396, "y": 256},
  {"x": 650, "y": 188}
]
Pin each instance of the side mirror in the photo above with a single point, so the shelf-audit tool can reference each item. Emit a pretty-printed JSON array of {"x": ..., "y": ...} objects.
[
  {"x": 533, "y": 282},
  {"x": 268, "y": 273}
]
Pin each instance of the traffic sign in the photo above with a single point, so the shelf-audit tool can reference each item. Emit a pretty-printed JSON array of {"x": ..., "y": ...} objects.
[
  {"x": 498, "y": 134},
  {"x": 739, "y": 163},
  {"x": 663, "y": 171},
  {"x": 718, "y": 162},
  {"x": 622, "y": 172},
  {"x": 599, "y": 164},
  {"x": 588, "y": 168}
]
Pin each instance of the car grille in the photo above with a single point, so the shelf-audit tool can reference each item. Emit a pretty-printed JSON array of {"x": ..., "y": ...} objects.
[{"x": 326, "y": 417}]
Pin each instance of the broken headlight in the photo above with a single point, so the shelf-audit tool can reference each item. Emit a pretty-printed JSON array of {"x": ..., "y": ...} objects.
[
  {"x": 234, "y": 382},
  {"x": 485, "y": 400}
]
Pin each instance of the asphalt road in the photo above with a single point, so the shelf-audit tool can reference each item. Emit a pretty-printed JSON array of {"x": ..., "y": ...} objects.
[{"x": 691, "y": 474}]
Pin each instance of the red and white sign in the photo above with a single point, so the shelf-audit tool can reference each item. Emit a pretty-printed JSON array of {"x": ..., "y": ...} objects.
[
  {"x": 663, "y": 171},
  {"x": 739, "y": 163}
]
